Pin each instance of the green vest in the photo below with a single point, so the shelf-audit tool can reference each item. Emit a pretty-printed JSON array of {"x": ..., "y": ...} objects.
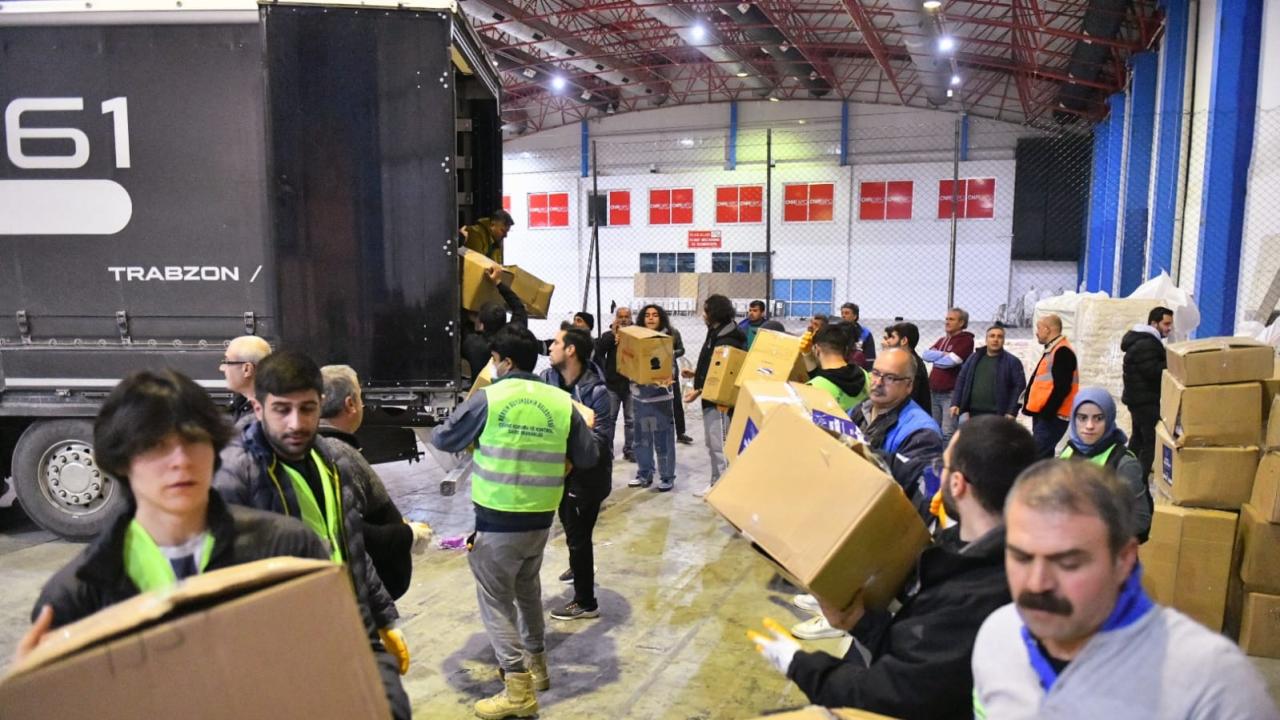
[
  {"x": 519, "y": 462},
  {"x": 846, "y": 401},
  {"x": 327, "y": 524},
  {"x": 1100, "y": 459},
  {"x": 146, "y": 566}
]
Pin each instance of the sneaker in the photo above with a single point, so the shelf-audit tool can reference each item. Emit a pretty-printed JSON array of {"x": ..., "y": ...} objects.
[
  {"x": 684, "y": 440},
  {"x": 574, "y": 611},
  {"x": 628, "y": 456},
  {"x": 640, "y": 482},
  {"x": 702, "y": 492},
  {"x": 808, "y": 603},
  {"x": 666, "y": 485},
  {"x": 566, "y": 577},
  {"x": 816, "y": 628}
]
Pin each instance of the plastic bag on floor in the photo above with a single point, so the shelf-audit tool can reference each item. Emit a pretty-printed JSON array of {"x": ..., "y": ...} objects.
[{"x": 1162, "y": 289}]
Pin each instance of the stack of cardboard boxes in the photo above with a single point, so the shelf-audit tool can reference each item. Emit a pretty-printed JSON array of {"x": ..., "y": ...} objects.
[{"x": 1207, "y": 454}]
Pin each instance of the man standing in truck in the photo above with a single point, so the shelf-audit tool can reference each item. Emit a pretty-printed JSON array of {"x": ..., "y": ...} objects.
[{"x": 486, "y": 236}]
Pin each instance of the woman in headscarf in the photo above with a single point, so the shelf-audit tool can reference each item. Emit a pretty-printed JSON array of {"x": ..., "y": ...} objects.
[{"x": 1093, "y": 436}]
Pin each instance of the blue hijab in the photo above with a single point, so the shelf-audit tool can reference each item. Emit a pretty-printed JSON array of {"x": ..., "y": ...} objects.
[{"x": 1112, "y": 436}]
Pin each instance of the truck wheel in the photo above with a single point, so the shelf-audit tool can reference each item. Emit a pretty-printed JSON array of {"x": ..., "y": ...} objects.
[{"x": 58, "y": 482}]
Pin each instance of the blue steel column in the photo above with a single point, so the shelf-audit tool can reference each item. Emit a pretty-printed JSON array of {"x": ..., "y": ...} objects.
[
  {"x": 1104, "y": 200},
  {"x": 844, "y": 134},
  {"x": 1233, "y": 100},
  {"x": 1097, "y": 202},
  {"x": 1142, "y": 97},
  {"x": 586, "y": 150},
  {"x": 964, "y": 137},
  {"x": 731, "y": 162},
  {"x": 1164, "y": 208}
]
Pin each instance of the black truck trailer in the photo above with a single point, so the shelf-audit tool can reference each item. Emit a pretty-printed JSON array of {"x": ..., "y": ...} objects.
[{"x": 180, "y": 173}]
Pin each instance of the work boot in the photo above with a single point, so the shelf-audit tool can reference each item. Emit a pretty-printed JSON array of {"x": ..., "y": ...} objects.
[
  {"x": 517, "y": 699},
  {"x": 538, "y": 670}
]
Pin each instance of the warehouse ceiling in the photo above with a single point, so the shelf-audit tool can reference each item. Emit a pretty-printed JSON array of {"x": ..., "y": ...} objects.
[{"x": 1022, "y": 61}]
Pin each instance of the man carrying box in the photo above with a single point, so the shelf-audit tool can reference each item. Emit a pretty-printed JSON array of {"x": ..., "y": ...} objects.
[
  {"x": 846, "y": 383},
  {"x": 523, "y": 429},
  {"x": 159, "y": 434},
  {"x": 486, "y": 236},
  {"x": 919, "y": 664},
  {"x": 1081, "y": 638}
]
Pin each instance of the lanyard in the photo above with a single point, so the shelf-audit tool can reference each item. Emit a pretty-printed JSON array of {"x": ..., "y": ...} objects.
[
  {"x": 326, "y": 524},
  {"x": 146, "y": 566}
]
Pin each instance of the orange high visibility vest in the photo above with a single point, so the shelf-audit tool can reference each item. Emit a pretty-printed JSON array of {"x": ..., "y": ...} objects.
[{"x": 1042, "y": 383}]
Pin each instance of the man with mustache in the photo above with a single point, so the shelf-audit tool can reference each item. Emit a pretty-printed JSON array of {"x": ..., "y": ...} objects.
[
  {"x": 919, "y": 657},
  {"x": 901, "y": 432},
  {"x": 1082, "y": 639},
  {"x": 279, "y": 464}
]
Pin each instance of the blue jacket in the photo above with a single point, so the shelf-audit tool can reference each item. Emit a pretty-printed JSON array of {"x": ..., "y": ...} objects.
[{"x": 1011, "y": 380}]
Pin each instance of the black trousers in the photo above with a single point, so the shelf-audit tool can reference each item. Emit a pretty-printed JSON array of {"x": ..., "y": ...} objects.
[
  {"x": 677, "y": 409},
  {"x": 578, "y": 514},
  {"x": 1143, "y": 440}
]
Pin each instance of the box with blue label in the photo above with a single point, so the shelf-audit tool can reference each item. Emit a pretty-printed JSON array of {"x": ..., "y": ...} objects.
[
  {"x": 774, "y": 356},
  {"x": 758, "y": 398},
  {"x": 1206, "y": 477}
]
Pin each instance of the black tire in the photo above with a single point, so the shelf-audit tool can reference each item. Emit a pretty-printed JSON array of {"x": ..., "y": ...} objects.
[{"x": 76, "y": 505}]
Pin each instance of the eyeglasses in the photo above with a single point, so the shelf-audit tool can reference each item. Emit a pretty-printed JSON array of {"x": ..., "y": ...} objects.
[
  {"x": 888, "y": 377},
  {"x": 938, "y": 466},
  {"x": 233, "y": 362}
]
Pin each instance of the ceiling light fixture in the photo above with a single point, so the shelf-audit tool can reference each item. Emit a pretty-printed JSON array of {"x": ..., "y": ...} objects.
[
  {"x": 586, "y": 95},
  {"x": 951, "y": 93},
  {"x": 557, "y": 83},
  {"x": 946, "y": 43},
  {"x": 955, "y": 80},
  {"x": 699, "y": 32},
  {"x": 686, "y": 142},
  {"x": 529, "y": 73},
  {"x": 744, "y": 8},
  {"x": 931, "y": 4},
  {"x": 802, "y": 121},
  {"x": 773, "y": 99},
  {"x": 742, "y": 73}
]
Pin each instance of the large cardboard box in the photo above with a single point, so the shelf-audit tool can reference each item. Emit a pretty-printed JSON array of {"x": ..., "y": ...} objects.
[
  {"x": 645, "y": 356},
  {"x": 758, "y": 398},
  {"x": 774, "y": 356},
  {"x": 720, "y": 386},
  {"x": 783, "y": 495},
  {"x": 1258, "y": 547},
  {"x": 1260, "y": 625},
  {"x": 1196, "y": 418},
  {"x": 1266, "y": 487},
  {"x": 276, "y": 638},
  {"x": 1187, "y": 561},
  {"x": 484, "y": 379},
  {"x": 1220, "y": 360},
  {"x": 477, "y": 291},
  {"x": 1209, "y": 477},
  {"x": 1271, "y": 438},
  {"x": 532, "y": 290}
]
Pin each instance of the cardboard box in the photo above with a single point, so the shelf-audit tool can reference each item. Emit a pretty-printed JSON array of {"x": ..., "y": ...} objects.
[
  {"x": 1187, "y": 561},
  {"x": 1266, "y": 487},
  {"x": 483, "y": 380},
  {"x": 1258, "y": 546},
  {"x": 477, "y": 291},
  {"x": 274, "y": 638},
  {"x": 1209, "y": 477},
  {"x": 813, "y": 712},
  {"x": 645, "y": 356},
  {"x": 774, "y": 356},
  {"x": 1260, "y": 625},
  {"x": 758, "y": 398},
  {"x": 1270, "y": 389},
  {"x": 781, "y": 495},
  {"x": 1196, "y": 418},
  {"x": 1271, "y": 438},
  {"x": 532, "y": 290},
  {"x": 721, "y": 387},
  {"x": 1220, "y": 360}
]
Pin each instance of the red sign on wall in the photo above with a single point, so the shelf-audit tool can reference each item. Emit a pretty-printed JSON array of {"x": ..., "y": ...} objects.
[
  {"x": 619, "y": 207},
  {"x": 506, "y": 203},
  {"x": 671, "y": 206},
  {"x": 703, "y": 239},
  {"x": 975, "y": 199},
  {"x": 808, "y": 202},
  {"x": 740, "y": 204},
  {"x": 885, "y": 200},
  {"x": 548, "y": 210}
]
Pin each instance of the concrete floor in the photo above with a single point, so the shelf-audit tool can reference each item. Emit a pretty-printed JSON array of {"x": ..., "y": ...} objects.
[{"x": 678, "y": 590}]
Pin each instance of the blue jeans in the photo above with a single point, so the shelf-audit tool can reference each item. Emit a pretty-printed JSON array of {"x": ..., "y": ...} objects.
[
  {"x": 1047, "y": 433},
  {"x": 942, "y": 414},
  {"x": 655, "y": 434}
]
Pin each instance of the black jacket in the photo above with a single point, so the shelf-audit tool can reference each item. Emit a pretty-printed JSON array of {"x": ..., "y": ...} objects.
[
  {"x": 728, "y": 334},
  {"x": 849, "y": 378},
  {"x": 243, "y": 479},
  {"x": 475, "y": 345},
  {"x": 1010, "y": 382},
  {"x": 386, "y": 536},
  {"x": 96, "y": 578},
  {"x": 595, "y": 481},
  {"x": 920, "y": 656},
  {"x": 606, "y": 356},
  {"x": 1144, "y": 361},
  {"x": 920, "y": 388}
]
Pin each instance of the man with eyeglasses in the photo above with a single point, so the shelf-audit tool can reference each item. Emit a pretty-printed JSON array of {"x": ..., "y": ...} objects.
[
  {"x": 238, "y": 366},
  {"x": 901, "y": 432}
]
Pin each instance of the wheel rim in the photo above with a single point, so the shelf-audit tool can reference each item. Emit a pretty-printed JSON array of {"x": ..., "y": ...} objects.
[{"x": 71, "y": 481}]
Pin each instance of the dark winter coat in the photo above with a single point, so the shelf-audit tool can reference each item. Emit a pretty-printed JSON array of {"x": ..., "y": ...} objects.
[
  {"x": 387, "y": 538},
  {"x": 728, "y": 334},
  {"x": 475, "y": 345},
  {"x": 920, "y": 656},
  {"x": 590, "y": 390},
  {"x": 1011, "y": 380},
  {"x": 243, "y": 480},
  {"x": 606, "y": 356},
  {"x": 1144, "y": 361}
]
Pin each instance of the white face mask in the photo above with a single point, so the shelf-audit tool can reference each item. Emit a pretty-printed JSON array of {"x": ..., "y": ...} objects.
[{"x": 501, "y": 369}]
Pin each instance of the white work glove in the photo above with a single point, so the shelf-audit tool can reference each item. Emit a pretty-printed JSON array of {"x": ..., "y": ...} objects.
[
  {"x": 779, "y": 650},
  {"x": 422, "y": 533}
]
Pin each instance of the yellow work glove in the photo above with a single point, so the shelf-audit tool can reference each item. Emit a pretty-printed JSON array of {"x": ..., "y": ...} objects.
[
  {"x": 780, "y": 649},
  {"x": 393, "y": 640},
  {"x": 938, "y": 510}
]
